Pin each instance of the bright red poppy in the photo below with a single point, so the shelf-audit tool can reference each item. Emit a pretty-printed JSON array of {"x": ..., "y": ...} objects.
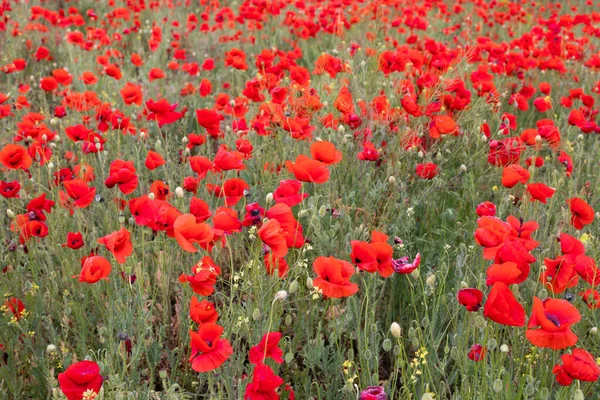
[
  {"x": 333, "y": 277},
  {"x": 209, "y": 350},
  {"x": 550, "y": 324}
]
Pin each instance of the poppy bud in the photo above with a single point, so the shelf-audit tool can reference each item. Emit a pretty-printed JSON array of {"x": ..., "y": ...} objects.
[
  {"x": 142, "y": 135},
  {"x": 309, "y": 283},
  {"x": 281, "y": 295},
  {"x": 269, "y": 198},
  {"x": 151, "y": 196},
  {"x": 463, "y": 168},
  {"x": 430, "y": 281},
  {"x": 51, "y": 349},
  {"x": 9, "y": 213},
  {"x": 593, "y": 331},
  {"x": 395, "y": 330},
  {"x": 504, "y": 348},
  {"x": 392, "y": 179},
  {"x": 179, "y": 192},
  {"x": 293, "y": 287},
  {"x": 50, "y": 165},
  {"x": 256, "y": 314},
  {"x": 484, "y": 138}
]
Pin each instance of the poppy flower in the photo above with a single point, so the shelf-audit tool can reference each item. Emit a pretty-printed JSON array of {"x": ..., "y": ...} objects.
[
  {"x": 581, "y": 213},
  {"x": 123, "y": 174},
  {"x": 211, "y": 121},
  {"x": 273, "y": 263},
  {"x": 325, "y": 152},
  {"x": 491, "y": 234},
  {"x": 333, "y": 277},
  {"x": 507, "y": 273},
  {"x": 470, "y": 298},
  {"x": 187, "y": 231},
  {"x": 88, "y": 78},
  {"x": 229, "y": 160},
  {"x": 10, "y": 190},
  {"x": 204, "y": 276},
  {"x": 160, "y": 190},
  {"x": 74, "y": 240},
  {"x": 274, "y": 236},
  {"x": 263, "y": 385},
  {"x": 119, "y": 244},
  {"x": 16, "y": 307},
  {"x": 203, "y": 312},
  {"x": 81, "y": 380},
  {"x": 586, "y": 268},
  {"x": 154, "y": 160},
  {"x": 236, "y": 58},
  {"x": 288, "y": 192},
  {"x": 80, "y": 192},
  {"x": 200, "y": 209},
  {"x": 559, "y": 274},
  {"x": 570, "y": 246},
  {"x": 580, "y": 365},
  {"x": 132, "y": 94},
  {"x": 364, "y": 256},
  {"x": 426, "y": 171},
  {"x": 209, "y": 351},
  {"x": 486, "y": 209},
  {"x": 513, "y": 251},
  {"x": 254, "y": 215},
  {"x": 513, "y": 174},
  {"x": 477, "y": 352},
  {"x": 591, "y": 298},
  {"x": 308, "y": 170},
  {"x": 442, "y": 125},
  {"x": 540, "y": 192},
  {"x": 550, "y": 324},
  {"x": 291, "y": 228},
  {"x": 13, "y": 156},
  {"x": 163, "y": 112},
  {"x": 226, "y": 222},
  {"x": 201, "y": 165},
  {"x": 155, "y": 73},
  {"x": 267, "y": 348},
  {"x": 502, "y": 307},
  {"x": 521, "y": 231},
  {"x": 93, "y": 269}
]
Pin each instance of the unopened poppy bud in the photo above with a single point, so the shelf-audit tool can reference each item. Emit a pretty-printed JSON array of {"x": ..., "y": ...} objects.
[
  {"x": 430, "y": 281},
  {"x": 322, "y": 211},
  {"x": 158, "y": 144},
  {"x": 232, "y": 103},
  {"x": 302, "y": 213},
  {"x": 420, "y": 154},
  {"x": 538, "y": 139},
  {"x": 9, "y": 213},
  {"x": 293, "y": 287},
  {"x": 504, "y": 348},
  {"x": 44, "y": 137},
  {"x": 395, "y": 330},
  {"x": 480, "y": 322},
  {"x": 256, "y": 314},
  {"x": 309, "y": 282},
  {"x": 580, "y": 137},
  {"x": 179, "y": 191},
  {"x": 415, "y": 273},
  {"x": 50, "y": 165},
  {"x": 341, "y": 129},
  {"x": 228, "y": 129},
  {"x": 269, "y": 198},
  {"x": 184, "y": 140},
  {"x": 281, "y": 295},
  {"x": 463, "y": 168},
  {"x": 151, "y": 196},
  {"x": 187, "y": 152},
  {"x": 142, "y": 135},
  {"x": 121, "y": 219},
  {"x": 484, "y": 138},
  {"x": 594, "y": 331},
  {"x": 131, "y": 220},
  {"x": 51, "y": 349},
  {"x": 387, "y": 345},
  {"x": 578, "y": 395},
  {"x": 392, "y": 179},
  {"x": 463, "y": 285},
  {"x": 53, "y": 121},
  {"x": 98, "y": 146},
  {"x": 497, "y": 386}
]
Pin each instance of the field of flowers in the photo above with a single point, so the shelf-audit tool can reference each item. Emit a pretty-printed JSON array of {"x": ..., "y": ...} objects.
[{"x": 308, "y": 199}]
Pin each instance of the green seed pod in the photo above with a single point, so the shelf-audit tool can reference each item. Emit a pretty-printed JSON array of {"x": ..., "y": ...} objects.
[
  {"x": 578, "y": 395},
  {"x": 497, "y": 386},
  {"x": 544, "y": 394},
  {"x": 288, "y": 320},
  {"x": 368, "y": 355},
  {"x": 480, "y": 322},
  {"x": 289, "y": 357},
  {"x": 492, "y": 344},
  {"x": 256, "y": 314},
  {"x": 530, "y": 390},
  {"x": 387, "y": 345},
  {"x": 293, "y": 287},
  {"x": 351, "y": 354}
]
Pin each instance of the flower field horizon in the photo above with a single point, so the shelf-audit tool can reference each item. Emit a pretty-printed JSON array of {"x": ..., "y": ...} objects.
[{"x": 276, "y": 199}]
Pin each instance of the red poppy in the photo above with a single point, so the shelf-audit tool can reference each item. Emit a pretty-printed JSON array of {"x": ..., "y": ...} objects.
[
  {"x": 364, "y": 255},
  {"x": 513, "y": 251},
  {"x": 427, "y": 170},
  {"x": 163, "y": 112},
  {"x": 477, "y": 352},
  {"x": 233, "y": 190},
  {"x": 122, "y": 173},
  {"x": 274, "y": 236},
  {"x": 160, "y": 190},
  {"x": 209, "y": 351},
  {"x": 15, "y": 306},
  {"x": 502, "y": 307},
  {"x": 491, "y": 234},
  {"x": 200, "y": 209},
  {"x": 540, "y": 192},
  {"x": 119, "y": 244},
  {"x": 507, "y": 273},
  {"x": 13, "y": 156},
  {"x": 93, "y": 269},
  {"x": 38, "y": 206},
  {"x": 80, "y": 192},
  {"x": 288, "y": 192},
  {"x": 579, "y": 365},
  {"x": 325, "y": 152},
  {"x": 333, "y": 277},
  {"x": 470, "y": 298},
  {"x": 236, "y": 58},
  {"x": 10, "y": 190},
  {"x": 267, "y": 348},
  {"x": 132, "y": 94},
  {"x": 211, "y": 121},
  {"x": 513, "y": 174},
  {"x": 226, "y": 222},
  {"x": 254, "y": 215},
  {"x": 187, "y": 231},
  {"x": 521, "y": 231},
  {"x": 229, "y": 160},
  {"x": 559, "y": 274},
  {"x": 81, "y": 378},
  {"x": 74, "y": 240},
  {"x": 263, "y": 385},
  {"x": 205, "y": 274},
  {"x": 154, "y": 160},
  {"x": 292, "y": 229},
  {"x": 550, "y": 324},
  {"x": 203, "y": 312},
  {"x": 581, "y": 213},
  {"x": 273, "y": 263},
  {"x": 486, "y": 209},
  {"x": 403, "y": 265},
  {"x": 308, "y": 170}
]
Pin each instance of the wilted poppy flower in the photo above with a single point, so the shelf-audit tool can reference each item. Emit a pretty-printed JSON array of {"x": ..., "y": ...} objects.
[
  {"x": 209, "y": 351},
  {"x": 93, "y": 269},
  {"x": 550, "y": 324},
  {"x": 187, "y": 231},
  {"x": 404, "y": 266},
  {"x": 263, "y": 385},
  {"x": 373, "y": 393},
  {"x": 470, "y": 298},
  {"x": 426, "y": 171},
  {"x": 581, "y": 213},
  {"x": 204, "y": 276},
  {"x": 74, "y": 240},
  {"x": 119, "y": 244},
  {"x": 477, "y": 352},
  {"x": 580, "y": 365},
  {"x": 82, "y": 380},
  {"x": 502, "y": 306},
  {"x": 333, "y": 277},
  {"x": 267, "y": 348},
  {"x": 13, "y": 156},
  {"x": 308, "y": 170},
  {"x": 203, "y": 312}
]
